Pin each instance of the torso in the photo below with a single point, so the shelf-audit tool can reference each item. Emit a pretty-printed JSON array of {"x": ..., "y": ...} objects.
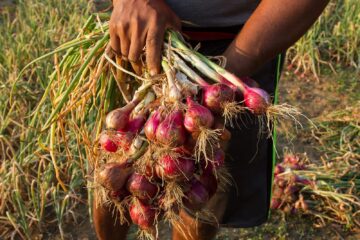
[{"x": 213, "y": 13}]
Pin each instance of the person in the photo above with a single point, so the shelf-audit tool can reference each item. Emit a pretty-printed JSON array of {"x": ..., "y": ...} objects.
[{"x": 250, "y": 34}]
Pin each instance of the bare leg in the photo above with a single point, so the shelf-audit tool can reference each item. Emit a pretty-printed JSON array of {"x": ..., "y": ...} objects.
[
  {"x": 194, "y": 230},
  {"x": 106, "y": 225}
]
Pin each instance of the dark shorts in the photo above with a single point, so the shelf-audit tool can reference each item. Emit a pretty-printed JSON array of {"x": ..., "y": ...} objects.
[{"x": 249, "y": 159}]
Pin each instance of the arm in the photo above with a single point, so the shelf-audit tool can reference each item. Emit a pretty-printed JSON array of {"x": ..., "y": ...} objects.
[{"x": 273, "y": 27}]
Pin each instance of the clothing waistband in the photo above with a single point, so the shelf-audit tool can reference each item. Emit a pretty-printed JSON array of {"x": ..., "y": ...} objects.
[{"x": 211, "y": 33}]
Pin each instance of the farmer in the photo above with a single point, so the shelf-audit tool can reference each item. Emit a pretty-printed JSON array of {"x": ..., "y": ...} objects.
[{"x": 252, "y": 35}]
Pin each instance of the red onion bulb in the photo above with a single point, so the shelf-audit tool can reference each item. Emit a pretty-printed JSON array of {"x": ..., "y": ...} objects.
[
  {"x": 196, "y": 197},
  {"x": 175, "y": 168},
  {"x": 256, "y": 100},
  {"x": 152, "y": 125},
  {"x": 107, "y": 143},
  {"x": 119, "y": 118},
  {"x": 197, "y": 116},
  {"x": 141, "y": 187},
  {"x": 142, "y": 214},
  {"x": 214, "y": 96},
  {"x": 209, "y": 181},
  {"x": 171, "y": 131}
]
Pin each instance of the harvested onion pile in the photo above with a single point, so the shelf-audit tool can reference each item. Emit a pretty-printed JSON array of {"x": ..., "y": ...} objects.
[{"x": 327, "y": 192}]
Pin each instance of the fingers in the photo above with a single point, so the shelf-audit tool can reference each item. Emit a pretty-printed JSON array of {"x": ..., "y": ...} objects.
[
  {"x": 137, "y": 67},
  {"x": 137, "y": 44},
  {"x": 154, "y": 42},
  {"x": 124, "y": 41},
  {"x": 115, "y": 42}
]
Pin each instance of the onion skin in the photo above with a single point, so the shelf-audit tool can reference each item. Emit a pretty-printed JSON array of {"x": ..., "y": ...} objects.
[
  {"x": 113, "y": 176},
  {"x": 124, "y": 139},
  {"x": 225, "y": 133},
  {"x": 275, "y": 203},
  {"x": 256, "y": 100},
  {"x": 183, "y": 151},
  {"x": 214, "y": 96},
  {"x": 135, "y": 124},
  {"x": 140, "y": 187},
  {"x": 196, "y": 197},
  {"x": 190, "y": 144},
  {"x": 152, "y": 125},
  {"x": 209, "y": 181},
  {"x": 134, "y": 213},
  {"x": 174, "y": 207},
  {"x": 303, "y": 181},
  {"x": 218, "y": 161},
  {"x": 177, "y": 169},
  {"x": 119, "y": 118},
  {"x": 150, "y": 172},
  {"x": 142, "y": 214},
  {"x": 206, "y": 167},
  {"x": 119, "y": 195},
  {"x": 278, "y": 192},
  {"x": 219, "y": 158},
  {"x": 278, "y": 169},
  {"x": 223, "y": 80},
  {"x": 107, "y": 143},
  {"x": 291, "y": 159},
  {"x": 197, "y": 116},
  {"x": 171, "y": 131}
]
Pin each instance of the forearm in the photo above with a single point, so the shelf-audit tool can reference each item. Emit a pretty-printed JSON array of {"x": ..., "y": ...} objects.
[{"x": 273, "y": 27}]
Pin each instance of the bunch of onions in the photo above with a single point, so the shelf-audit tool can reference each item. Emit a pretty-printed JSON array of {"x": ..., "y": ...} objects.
[
  {"x": 179, "y": 160},
  {"x": 163, "y": 146}
]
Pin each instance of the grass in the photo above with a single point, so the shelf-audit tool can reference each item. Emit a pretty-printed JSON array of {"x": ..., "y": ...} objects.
[
  {"x": 30, "y": 195},
  {"x": 332, "y": 42},
  {"x": 43, "y": 177}
]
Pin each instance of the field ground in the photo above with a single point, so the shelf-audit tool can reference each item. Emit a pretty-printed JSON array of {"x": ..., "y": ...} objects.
[{"x": 315, "y": 97}]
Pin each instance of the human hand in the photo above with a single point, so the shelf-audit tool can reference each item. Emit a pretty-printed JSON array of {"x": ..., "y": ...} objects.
[{"x": 135, "y": 24}]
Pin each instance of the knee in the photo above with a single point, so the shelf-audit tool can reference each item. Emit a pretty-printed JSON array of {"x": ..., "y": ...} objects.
[
  {"x": 106, "y": 223},
  {"x": 192, "y": 229}
]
